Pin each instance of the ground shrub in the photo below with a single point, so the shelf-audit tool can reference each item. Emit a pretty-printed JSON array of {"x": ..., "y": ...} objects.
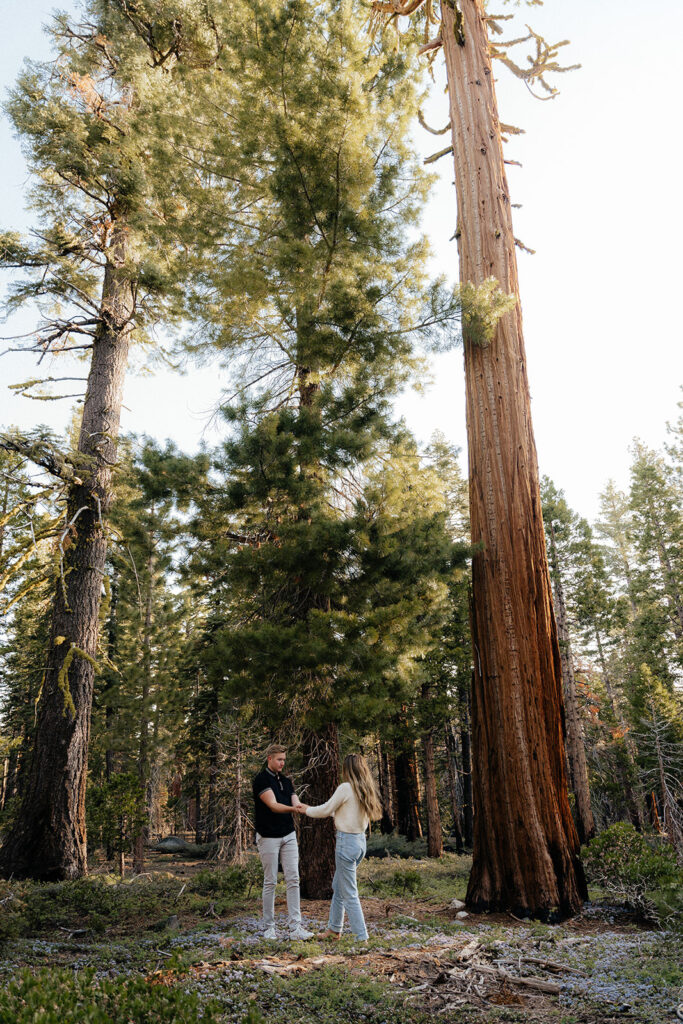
[
  {"x": 229, "y": 882},
  {"x": 339, "y": 997},
  {"x": 402, "y": 882},
  {"x": 13, "y": 922},
  {"x": 637, "y": 869},
  {"x": 68, "y": 997}
]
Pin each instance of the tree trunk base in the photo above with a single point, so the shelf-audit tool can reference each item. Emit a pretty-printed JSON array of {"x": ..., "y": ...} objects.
[{"x": 316, "y": 837}]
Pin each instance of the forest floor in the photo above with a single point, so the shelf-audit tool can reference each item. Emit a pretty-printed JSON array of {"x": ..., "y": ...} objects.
[{"x": 181, "y": 925}]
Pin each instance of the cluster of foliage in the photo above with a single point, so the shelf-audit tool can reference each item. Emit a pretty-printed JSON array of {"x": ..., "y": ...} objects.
[
  {"x": 638, "y": 870},
  {"x": 621, "y": 583},
  {"x": 69, "y": 997}
]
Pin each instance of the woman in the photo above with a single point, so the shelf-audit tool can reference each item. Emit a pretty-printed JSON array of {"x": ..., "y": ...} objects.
[{"x": 353, "y": 805}]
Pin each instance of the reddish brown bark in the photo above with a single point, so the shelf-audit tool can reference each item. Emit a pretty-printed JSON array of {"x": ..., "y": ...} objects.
[
  {"x": 525, "y": 843},
  {"x": 316, "y": 837},
  {"x": 434, "y": 829},
  {"x": 453, "y": 770},
  {"x": 47, "y": 839}
]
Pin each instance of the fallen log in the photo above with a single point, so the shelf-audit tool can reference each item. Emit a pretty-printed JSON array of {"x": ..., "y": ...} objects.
[{"x": 176, "y": 844}]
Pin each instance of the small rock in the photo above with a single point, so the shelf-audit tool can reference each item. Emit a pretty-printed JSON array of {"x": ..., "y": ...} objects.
[
  {"x": 462, "y": 914},
  {"x": 457, "y": 904}
]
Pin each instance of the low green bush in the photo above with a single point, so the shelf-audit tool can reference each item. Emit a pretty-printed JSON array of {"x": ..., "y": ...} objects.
[
  {"x": 68, "y": 997},
  {"x": 229, "y": 882},
  {"x": 403, "y": 882},
  {"x": 338, "y": 997},
  {"x": 97, "y": 903},
  {"x": 637, "y": 869}
]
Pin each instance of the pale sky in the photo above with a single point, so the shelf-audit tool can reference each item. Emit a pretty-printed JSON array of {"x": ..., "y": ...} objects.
[{"x": 600, "y": 187}]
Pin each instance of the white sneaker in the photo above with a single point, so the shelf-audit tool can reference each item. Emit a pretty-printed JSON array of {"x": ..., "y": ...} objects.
[
  {"x": 300, "y": 933},
  {"x": 270, "y": 933}
]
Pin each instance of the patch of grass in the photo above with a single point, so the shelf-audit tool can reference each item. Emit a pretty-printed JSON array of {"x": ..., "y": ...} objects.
[
  {"x": 337, "y": 996},
  {"x": 443, "y": 879},
  {"x": 105, "y": 901},
  {"x": 68, "y": 997}
]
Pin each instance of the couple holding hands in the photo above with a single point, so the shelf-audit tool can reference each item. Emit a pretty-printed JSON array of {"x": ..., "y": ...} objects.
[{"x": 353, "y": 805}]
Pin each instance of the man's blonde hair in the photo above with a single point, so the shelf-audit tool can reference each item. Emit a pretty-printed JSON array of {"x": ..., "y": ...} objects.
[{"x": 275, "y": 748}]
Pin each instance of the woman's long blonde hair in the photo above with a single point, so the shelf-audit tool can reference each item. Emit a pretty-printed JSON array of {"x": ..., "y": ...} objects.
[{"x": 356, "y": 772}]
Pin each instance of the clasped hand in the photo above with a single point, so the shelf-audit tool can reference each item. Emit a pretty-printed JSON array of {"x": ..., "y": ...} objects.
[{"x": 300, "y": 808}]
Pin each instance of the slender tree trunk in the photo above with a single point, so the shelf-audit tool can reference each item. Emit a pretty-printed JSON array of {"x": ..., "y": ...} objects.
[
  {"x": 628, "y": 772},
  {"x": 211, "y": 832},
  {"x": 407, "y": 785},
  {"x": 388, "y": 822},
  {"x": 434, "y": 829},
  {"x": 197, "y": 803},
  {"x": 316, "y": 838},
  {"x": 109, "y": 713},
  {"x": 526, "y": 850},
  {"x": 240, "y": 838},
  {"x": 47, "y": 839},
  {"x": 142, "y": 837},
  {"x": 576, "y": 751},
  {"x": 5, "y": 779},
  {"x": 9, "y": 775},
  {"x": 451, "y": 756},
  {"x": 464, "y": 702},
  {"x": 671, "y": 811},
  {"x": 673, "y": 594}
]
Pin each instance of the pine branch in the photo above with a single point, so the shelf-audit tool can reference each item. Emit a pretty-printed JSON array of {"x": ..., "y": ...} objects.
[
  {"x": 437, "y": 156},
  {"x": 433, "y": 44},
  {"x": 433, "y": 131},
  {"x": 42, "y": 453}
]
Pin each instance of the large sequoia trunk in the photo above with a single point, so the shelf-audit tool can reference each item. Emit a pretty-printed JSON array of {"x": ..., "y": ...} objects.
[
  {"x": 47, "y": 839},
  {"x": 525, "y": 843},
  {"x": 316, "y": 838},
  {"x": 576, "y": 750}
]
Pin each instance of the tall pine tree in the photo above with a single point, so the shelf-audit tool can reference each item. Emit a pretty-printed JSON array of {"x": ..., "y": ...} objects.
[{"x": 98, "y": 272}]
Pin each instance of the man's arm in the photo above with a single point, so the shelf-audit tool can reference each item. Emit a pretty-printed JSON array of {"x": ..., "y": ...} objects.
[
  {"x": 269, "y": 800},
  {"x": 297, "y": 805}
]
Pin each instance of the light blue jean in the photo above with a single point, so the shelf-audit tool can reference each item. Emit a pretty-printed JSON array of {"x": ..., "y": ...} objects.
[{"x": 349, "y": 852}]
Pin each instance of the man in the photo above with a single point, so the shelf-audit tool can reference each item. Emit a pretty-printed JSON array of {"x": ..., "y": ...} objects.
[{"x": 274, "y": 800}]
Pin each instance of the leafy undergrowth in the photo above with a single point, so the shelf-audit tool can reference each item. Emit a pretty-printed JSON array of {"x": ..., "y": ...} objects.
[{"x": 166, "y": 948}]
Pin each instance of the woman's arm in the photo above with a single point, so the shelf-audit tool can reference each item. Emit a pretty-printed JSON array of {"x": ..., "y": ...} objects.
[{"x": 340, "y": 795}]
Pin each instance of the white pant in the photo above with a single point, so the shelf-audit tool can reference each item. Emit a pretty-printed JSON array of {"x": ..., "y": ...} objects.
[{"x": 287, "y": 850}]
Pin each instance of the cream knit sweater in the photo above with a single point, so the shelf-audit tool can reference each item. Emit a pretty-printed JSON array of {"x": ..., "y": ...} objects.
[{"x": 344, "y": 807}]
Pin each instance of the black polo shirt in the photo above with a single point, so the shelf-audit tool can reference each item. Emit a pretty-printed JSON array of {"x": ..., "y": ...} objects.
[{"x": 270, "y": 824}]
